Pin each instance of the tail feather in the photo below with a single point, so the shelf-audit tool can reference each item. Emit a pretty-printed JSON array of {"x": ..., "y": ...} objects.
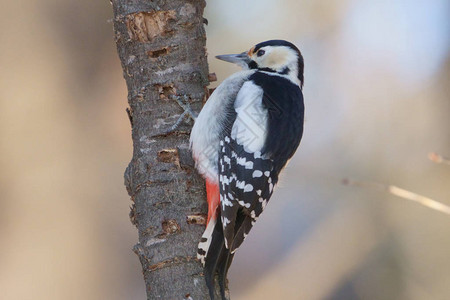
[
  {"x": 205, "y": 242},
  {"x": 213, "y": 256},
  {"x": 212, "y": 251},
  {"x": 241, "y": 233},
  {"x": 222, "y": 269}
]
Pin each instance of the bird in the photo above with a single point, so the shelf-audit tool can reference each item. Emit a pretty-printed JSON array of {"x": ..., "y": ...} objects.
[{"x": 243, "y": 137}]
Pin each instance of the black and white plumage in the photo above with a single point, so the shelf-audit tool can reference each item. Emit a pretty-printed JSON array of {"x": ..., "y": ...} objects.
[{"x": 245, "y": 134}]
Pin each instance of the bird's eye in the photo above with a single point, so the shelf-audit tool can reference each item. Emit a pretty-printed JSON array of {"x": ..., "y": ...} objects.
[{"x": 260, "y": 53}]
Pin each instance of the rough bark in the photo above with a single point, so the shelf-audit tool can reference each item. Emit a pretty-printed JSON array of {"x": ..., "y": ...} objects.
[{"x": 161, "y": 45}]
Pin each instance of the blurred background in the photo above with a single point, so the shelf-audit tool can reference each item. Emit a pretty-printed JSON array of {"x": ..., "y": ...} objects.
[{"x": 377, "y": 102}]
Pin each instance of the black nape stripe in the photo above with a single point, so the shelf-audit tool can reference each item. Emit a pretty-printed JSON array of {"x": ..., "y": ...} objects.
[
  {"x": 285, "y": 71},
  {"x": 267, "y": 70}
]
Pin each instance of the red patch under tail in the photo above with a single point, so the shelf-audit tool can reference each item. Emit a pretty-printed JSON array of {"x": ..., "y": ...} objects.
[{"x": 213, "y": 197}]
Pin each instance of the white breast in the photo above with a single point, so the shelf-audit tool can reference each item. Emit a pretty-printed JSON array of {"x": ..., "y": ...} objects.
[
  {"x": 250, "y": 127},
  {"x": 209, "y": 125}
]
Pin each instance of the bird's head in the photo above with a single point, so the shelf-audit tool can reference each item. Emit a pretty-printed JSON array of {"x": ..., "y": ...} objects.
[{"x": 271, "y": 56}]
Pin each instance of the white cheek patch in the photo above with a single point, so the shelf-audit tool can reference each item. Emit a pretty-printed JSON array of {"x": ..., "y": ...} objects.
[
  {"x": 276, "y": 59},
  {"x": 280, "y": 57}
]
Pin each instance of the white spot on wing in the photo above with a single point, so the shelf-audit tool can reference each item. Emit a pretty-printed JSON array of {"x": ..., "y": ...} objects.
[
  {"x": 249, "y": 165},
  {"x": 257, "y": 173},
  {"x": 241, "y": 161},
  {"x": 224, "y": 180},
  {"x": 240, "y": 184},
  {"x": 225, "y": 221},
  {"x": 225, "y": 202},
  {"x": 242, "y": 203},
  {"x": 248, "y": 188}
]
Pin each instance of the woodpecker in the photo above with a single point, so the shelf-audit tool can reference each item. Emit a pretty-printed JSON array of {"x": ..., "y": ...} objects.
[{"x": 243, "y": 137}]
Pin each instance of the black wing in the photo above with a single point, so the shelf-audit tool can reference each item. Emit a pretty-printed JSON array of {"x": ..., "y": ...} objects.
[
  {"x": 284, "y": 102},
  {"x": 246, "y": 183}
]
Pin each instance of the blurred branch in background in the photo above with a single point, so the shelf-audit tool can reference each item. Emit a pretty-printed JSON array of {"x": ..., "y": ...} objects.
[
  {"x": 439, "y": 159},
  {"x": 402, "y": 193}
]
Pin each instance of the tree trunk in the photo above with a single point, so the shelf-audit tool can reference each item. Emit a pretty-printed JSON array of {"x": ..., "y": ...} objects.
[{"x": 161, "y": 45}]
